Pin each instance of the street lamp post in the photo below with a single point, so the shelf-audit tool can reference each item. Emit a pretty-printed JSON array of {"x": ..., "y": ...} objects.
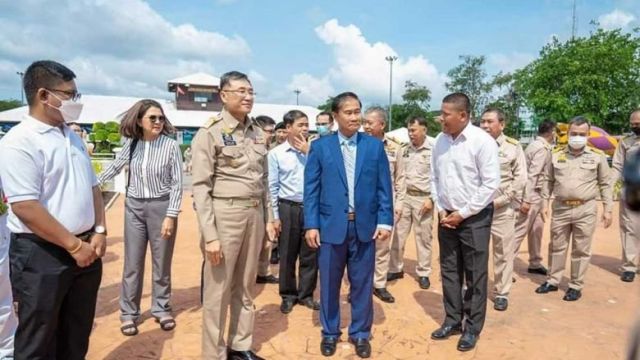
[
  {"x": 390, "y": 59},
  {"x": 21, "y": 74},
  {"x": 297, "y": 92}
]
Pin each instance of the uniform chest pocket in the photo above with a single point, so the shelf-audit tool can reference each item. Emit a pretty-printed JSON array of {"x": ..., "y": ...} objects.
[
  {"x": 560, "y": 166},
  {"x": 505, "y": 163},
  {"x": 261, "y": 150},
  {"x": 232, "y": 156},
  {"x": 589, "y": 166}
]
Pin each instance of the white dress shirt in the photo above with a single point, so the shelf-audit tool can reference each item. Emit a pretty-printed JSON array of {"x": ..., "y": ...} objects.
[
  {"x": 44, "y": 163},
  {"x": 465, "y": 171},
  {"x": 286, "y": 175}
]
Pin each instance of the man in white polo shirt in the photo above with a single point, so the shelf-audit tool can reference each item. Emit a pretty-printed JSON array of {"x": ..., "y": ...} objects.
[{"x": 56, "y": 220}]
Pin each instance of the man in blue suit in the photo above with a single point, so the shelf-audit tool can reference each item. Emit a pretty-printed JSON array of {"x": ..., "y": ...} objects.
[{"x": 347, "y": 206}]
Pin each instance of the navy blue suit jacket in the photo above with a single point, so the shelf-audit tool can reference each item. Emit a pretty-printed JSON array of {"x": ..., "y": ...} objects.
[{"x": 326, "y": 199}]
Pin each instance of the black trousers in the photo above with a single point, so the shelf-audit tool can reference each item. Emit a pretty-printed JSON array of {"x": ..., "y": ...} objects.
[
  {"x": 294, "y": 249},
  {"x": 464, "y": 256},
  {"x": 56, "y": 299}
]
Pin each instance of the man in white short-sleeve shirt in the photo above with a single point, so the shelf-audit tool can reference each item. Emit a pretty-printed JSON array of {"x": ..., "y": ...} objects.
[{"x": 56, "y": 219}]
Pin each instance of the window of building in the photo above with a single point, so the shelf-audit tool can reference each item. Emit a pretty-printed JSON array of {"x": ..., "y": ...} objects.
[{"x": 202, "y": 97}]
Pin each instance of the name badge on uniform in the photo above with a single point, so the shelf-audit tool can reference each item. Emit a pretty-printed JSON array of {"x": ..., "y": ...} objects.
[
  {"x": 406, "y": 153},
  {"x": 228, "y": 140},
  {"x": 258, "y": 140}
]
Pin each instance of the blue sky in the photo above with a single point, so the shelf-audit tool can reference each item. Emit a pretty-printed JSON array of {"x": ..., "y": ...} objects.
[{"x": 132, "y": 47}]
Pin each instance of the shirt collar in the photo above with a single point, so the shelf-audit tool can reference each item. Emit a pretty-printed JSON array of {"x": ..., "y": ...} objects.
[
  {"x": 233, "y": 123},
  {"x": 343, "y": 138},
  {"x": 38, "y": 125},
  {"x": 544, "y": 141},
  {"x": 425, "y": 144},
  {"x": 500, "y": 139}
]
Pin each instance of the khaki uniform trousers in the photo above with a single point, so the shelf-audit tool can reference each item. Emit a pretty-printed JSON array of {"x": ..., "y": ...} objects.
[
  {"x": 576, "y": 224},
  {"x": 264, "y": 264},
  {"x": 502, "y": 234},
  {"x": 422, "y": 230},
  {"x": 230, "y": 285},
  {"x": 530, "y": 225},
  {"x": 630, "y": 237},
  {"x": 383, "y": 249}
]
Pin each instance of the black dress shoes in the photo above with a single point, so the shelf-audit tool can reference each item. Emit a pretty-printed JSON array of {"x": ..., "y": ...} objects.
[
  {"x": 328, "y": 346},
  {"x": 243, "y": 355},
  {"x": 467, "y": 341},
  {"x": 310, "y": 303},
  {"x": 384, "y": 295},
  {"x": 501, "y": 304},
  {"x": 363, "y": 348},
  {"x": 424, "y": 282},
  {"x": 539, "y": 270},
  {"x": 287, "y": 305},
  {"x": 395, "y": 276},
  {"x": 572, "y": 295},
  {"x": 445, "y": 331},
  {"x": 628, "y": 276},
  {"x": 269, "y": 279},
  {"x": 545, "y": 288}
]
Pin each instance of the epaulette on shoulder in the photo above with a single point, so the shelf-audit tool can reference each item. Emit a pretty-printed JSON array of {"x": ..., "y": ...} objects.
[
  {"x": 511, "y": 140},
  {"x": 559, "y": 148},
  {"x": 212, "y": 120},
  {"x": 596, "y": 151}
]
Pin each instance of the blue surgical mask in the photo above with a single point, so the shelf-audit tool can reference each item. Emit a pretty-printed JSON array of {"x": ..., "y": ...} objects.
[{"x": 323, "y": 130}]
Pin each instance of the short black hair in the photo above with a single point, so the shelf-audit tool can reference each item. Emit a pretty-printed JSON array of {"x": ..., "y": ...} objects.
[
  {"x": 546, "y": 126},
  {"x": 232, "y": 75},
  {"x": 280, "y": 126},
  {"x": 45, "y": 74},
  {"x": 339, "y": 99},
  {"x": 492, "y": 109},
  {"x": 264, "y": 120},
  {"x": 417, "y": 119},
  {"x": 579, "y": 120},
  {"x": 325, "y": 113},
  {"x": 461, "y": 101},
  {"x": 292, "y": 115}
]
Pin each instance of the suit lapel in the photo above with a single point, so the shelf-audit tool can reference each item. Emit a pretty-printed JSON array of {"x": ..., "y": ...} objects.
[
  {"x": 360, "y": 154},
  {"x": 336, "y": 154}
]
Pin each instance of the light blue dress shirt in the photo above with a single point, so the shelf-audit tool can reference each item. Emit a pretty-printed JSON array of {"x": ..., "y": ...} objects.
[{"x": 286, "y": 175}]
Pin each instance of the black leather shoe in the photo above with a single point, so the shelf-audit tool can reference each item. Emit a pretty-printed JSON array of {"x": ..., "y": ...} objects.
[
  {"x": 467, "y": 341},
  {"x": 287, "y": 305},
  {"x": 243, "y": 355},
  {"x": 545, "y": 288},
  {"x": 384, "y": 295},
  {"x": 310, "y": 303},
  {"x": 628, "y": 276},
  {"x": 572, "y": 295},
  {"x": 445, "y": 331},
  {"x": 363, "y": 348},
  {"x": 269, "y": 279},
  {"x": 424, "y": 282},
  {"x": 501, "y": 304},
  {"x": 395, "y": 276},
  {"x": 540, "y": 270},
  {"x": 328, "y": 346}
]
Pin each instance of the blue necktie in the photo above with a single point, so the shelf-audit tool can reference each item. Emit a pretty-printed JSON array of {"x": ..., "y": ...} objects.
[{"x": 350, "y": 169}]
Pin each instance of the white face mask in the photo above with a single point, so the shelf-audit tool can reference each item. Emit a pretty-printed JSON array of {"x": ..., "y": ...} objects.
[
  {"x": 69, "y": 109},
  {"x": 577, "y": 142}
]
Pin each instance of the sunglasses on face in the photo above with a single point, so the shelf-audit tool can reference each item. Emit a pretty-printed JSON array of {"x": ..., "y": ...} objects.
[{"x": 157, "y": 118}]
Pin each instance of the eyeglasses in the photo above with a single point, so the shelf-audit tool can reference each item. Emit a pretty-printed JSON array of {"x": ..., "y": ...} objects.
[
  {"x": 157, "y": 118},
  {"x": 71, "y": 94},
  {"x": 243, "y": 92}
]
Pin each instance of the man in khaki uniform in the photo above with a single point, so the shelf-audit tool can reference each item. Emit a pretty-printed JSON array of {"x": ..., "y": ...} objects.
[
  {"x": 577, "y": 175},
  {"x": 530, "y": 219},
  {"x": 513, "y": 175},
  {"x": 375, "y": 121},
  {"x": 230, "y": 194},
  {"x": 629, "y": 220},
  {"x": 413, "y": 206}
]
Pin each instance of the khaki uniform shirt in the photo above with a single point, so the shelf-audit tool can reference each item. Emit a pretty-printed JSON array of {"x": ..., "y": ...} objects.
[
  {"x": 538, "y": 156},
  {"x": 579, "y": 177},
  {"x": 626, "y": 148},
  {"x": 229, "y": 161},
  {"x": 413, "y": 170},
  {"x": 513, "y": 171},
  {"x": 391, "y": 148}
]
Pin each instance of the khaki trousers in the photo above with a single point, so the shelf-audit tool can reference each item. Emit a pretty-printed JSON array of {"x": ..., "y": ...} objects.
[
  {"x": 382, "y": 262},
  {"x": 530, "y": 225},
  {"x": 422, "y": 229},
  {"x": 576, "y": 224},
  {"x": 502, "y": 234},
  {"x": 229, "y": 286},
  {"x": 630, "y": 237},
  {"x": 264, "y": 264}
]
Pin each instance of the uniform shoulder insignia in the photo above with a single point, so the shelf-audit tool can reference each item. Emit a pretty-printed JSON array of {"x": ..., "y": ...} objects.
[
  {"x": 558, "y": 149},
  {"x": 511, "y": 140},
  {"x": 596, "y": 151},
  {"x": 212, "y": 120}
]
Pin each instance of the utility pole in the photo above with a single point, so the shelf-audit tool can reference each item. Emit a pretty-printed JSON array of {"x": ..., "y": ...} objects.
[
  {"x": 574, "y": 22},
  {"x": 297, "y": 92},
  {"x": 21, "y": 74},
  {"x": 390, "y": 59}
]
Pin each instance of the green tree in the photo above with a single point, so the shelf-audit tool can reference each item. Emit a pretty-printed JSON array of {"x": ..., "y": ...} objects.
[
  {"x": 596, "y": 76},
  {"x": 470, "y": 78},
  {"x": 509, "y": 101},
  {"x": 9, "y": 104},
  {"x": 415, "y": 103},
  {"x": 326, "y": 106}
]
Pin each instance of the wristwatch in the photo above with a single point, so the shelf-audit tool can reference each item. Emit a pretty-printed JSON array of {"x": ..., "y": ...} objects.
[{"x": 100, "y": 230}]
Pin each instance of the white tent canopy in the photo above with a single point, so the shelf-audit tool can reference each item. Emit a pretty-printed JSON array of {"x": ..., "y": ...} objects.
[{"x": 401, "y": 135}]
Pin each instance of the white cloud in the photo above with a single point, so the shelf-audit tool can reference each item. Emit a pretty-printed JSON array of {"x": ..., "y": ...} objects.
[
  {"x": 313, "y": 91},
  {"x": 119, "y": 47},
  {"x": 616, "y": 19},
  {"x": 360, "y": 66},
  {"x": 509, "y": 62}
]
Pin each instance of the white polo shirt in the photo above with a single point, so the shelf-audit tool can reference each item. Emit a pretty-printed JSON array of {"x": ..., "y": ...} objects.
[{"x": 39, "y": 162}]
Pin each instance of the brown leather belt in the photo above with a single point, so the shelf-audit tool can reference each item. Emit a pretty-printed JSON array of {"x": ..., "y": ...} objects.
[
  {"x": 418, "y": 193},
  {"x": 572, "y": 202},
  {"x": 351, "y": 216}
]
